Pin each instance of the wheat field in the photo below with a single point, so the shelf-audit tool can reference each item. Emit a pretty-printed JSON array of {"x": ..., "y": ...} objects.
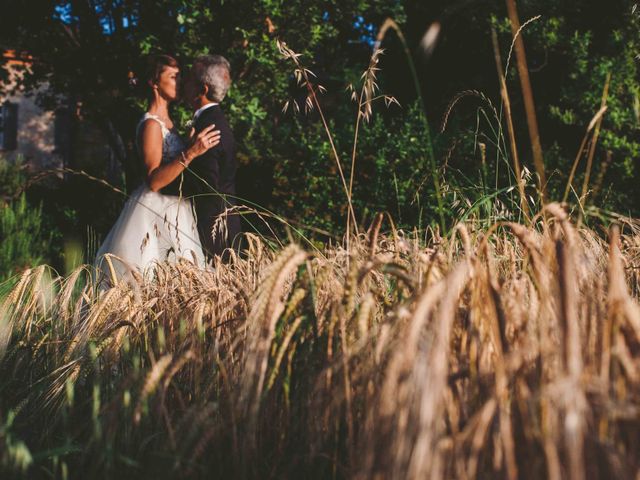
[{"x": 508, "y": 352}]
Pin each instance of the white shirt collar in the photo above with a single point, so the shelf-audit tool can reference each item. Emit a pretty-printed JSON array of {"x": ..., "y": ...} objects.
[{"x": 202, "y": 109}]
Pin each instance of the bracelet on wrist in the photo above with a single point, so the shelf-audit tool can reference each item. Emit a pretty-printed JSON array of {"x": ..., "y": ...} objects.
[{"x": 184, "y": 159}]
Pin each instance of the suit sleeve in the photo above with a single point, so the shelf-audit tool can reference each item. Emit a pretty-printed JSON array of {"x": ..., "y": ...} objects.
[{"x": 202, "y": 176}]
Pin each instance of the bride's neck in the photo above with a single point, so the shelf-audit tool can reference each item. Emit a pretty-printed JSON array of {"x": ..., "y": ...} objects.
[{"x": 159, "y": 106}]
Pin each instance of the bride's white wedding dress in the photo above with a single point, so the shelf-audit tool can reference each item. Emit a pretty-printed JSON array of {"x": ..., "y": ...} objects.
[{"x": 152, "y": 227}]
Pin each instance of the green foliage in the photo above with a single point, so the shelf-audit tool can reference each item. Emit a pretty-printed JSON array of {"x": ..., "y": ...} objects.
[
  {"x": 576, "y": 47},
  {"x": 15, "y": 457},
  {"x": 11, "y": 177},
  {"x": 394, "y": 174},
  {"x": 286, "y": 162},
  {"x": 24, "y": 243}
]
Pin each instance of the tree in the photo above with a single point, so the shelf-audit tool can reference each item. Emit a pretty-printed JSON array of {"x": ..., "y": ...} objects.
[{"x": 86, "y": 49}]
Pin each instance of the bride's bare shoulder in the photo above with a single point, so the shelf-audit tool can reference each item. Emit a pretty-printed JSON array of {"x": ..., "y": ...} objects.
[{"x": 149, "y": 127}]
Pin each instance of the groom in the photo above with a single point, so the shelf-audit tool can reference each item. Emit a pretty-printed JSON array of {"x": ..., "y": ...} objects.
[{"x": 211, "y": 181}]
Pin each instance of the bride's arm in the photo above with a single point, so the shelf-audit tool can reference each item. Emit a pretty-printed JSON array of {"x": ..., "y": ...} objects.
[{"x": 158, "y": 175}]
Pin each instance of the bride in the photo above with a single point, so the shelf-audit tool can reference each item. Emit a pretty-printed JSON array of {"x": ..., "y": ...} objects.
[{"x": 154, "y": 227}]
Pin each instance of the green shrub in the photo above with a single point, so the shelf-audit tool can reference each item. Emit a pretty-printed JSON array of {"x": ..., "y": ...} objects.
[{"x": 24, "y": 243}]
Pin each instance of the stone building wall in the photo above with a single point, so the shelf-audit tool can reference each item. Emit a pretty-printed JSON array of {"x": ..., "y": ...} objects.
[
  {"x": 48, "y": 139},
  {"x": 36, "y": 127}
]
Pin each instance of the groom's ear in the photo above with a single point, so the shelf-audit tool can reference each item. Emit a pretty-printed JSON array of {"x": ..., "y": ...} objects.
[{"x": 205, "y": 89}]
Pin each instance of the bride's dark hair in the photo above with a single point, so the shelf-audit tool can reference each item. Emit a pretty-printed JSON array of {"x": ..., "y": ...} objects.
[
  {"x": 156, "y": 65},
  {"x": 148, "y": 70}
]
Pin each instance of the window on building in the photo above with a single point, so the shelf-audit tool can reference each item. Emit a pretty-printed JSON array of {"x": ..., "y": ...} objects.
[{"x": 8, "y": 126}]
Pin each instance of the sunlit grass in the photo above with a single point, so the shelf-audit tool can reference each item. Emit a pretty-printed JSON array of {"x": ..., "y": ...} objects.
[{"x": 508, "y": 351}]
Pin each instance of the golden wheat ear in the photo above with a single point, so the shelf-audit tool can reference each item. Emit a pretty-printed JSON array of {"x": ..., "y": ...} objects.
[{"x": 112, "y": 270}]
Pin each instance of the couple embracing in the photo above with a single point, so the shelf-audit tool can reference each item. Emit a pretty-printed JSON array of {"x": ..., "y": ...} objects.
[{"x": 181, "y": 210}]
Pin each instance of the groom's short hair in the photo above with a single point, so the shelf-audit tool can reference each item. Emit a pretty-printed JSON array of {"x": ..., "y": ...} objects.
[{"x": 214, "y": 71}]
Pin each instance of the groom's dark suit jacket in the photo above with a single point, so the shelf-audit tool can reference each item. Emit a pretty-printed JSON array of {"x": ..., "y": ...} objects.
[{"x": 217, "y": 167}]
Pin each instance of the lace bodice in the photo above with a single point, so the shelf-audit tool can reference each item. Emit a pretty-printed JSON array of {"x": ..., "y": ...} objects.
[{"x": 172, "y": 143}]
